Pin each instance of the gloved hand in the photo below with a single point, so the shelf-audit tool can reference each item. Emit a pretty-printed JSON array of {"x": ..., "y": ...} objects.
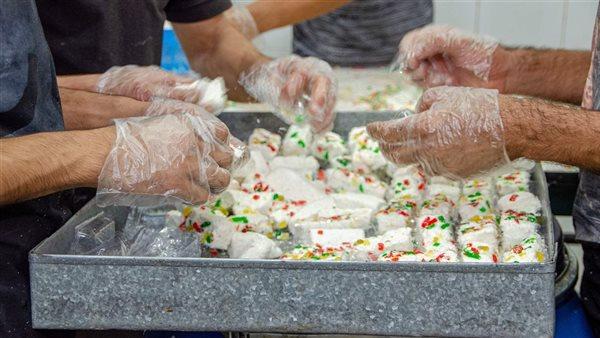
[
  {"x": 241, "y": 18},
  {"x": 150, "y": 82},
  {"x": 299, "y": 89},
  {"x": 438, "y": 55},
  {"x": 458, "y": 132},
  {"x": 176, "y": 158}
]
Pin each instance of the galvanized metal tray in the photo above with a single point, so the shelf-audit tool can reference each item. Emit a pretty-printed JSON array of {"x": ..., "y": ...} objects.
[{"x": 208, "y": 294}]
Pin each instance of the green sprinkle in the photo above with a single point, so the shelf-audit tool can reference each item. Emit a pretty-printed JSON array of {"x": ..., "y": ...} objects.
[
  {"x": 442, "y": 218},
  {"x": 205, "y": 224},
  {"x": 482, "y": 209},
  {"x": 294, "y": 134},
  {"x": 361, "y": 187},
  {"x": 445, "y": 225},
  {"x": 326, "y": 156},
  {"x": 436, "y": 244},
  {"x": 471, "y": 254},
  {"x": 299, "y": 118},
  {"x": 343, "y": 161},
  {"x": 376, "y": 150},
  {"x": 302, "y": 144},
  {"x": 275, "y": 196},
  {"x": 218, "y": 203},
  {"x": 239, "y": 219},
  {"x": 532, "y": 218},
  {"x": 530, "y": 240}
]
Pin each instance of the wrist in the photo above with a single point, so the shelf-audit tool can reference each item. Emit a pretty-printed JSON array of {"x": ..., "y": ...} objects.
[
  {"x": 514, "y": 117},
  {"x": 95, "y": 146},
  {"x": 500, "y": 72}
]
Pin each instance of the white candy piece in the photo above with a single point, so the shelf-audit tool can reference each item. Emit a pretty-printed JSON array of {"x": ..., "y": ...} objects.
[
  {"x": 306, "y": 166},
  {"x": 434, "y": 228},
  {"x": 482, "y": 230},
  {"x": 481, "y": 185},
  {"x": 452, "y": 192},
  {"x": 395, "y": 215},
  {"x": 332, "y": 219},
  {"x": 513, "y": 182},
  {"x": 438, "y": 205},
  {"x": 293, "y": 186},
  {"x": 358, "y": 136},
  {"x": 479, "y": 252},
  {"x": 516, "y": 227},
  {"x": 343, "y": 180},
  {"x": 473, "y": 205},
  {"x": 250, "y": 202},
  {"x": 174, "y": 219},
  {"x": 297, "y": 141},
  {"x": 350, "y": 200},
  {"x": 252, "y": 222},
  {"x": 444, "y": 252},
  {"x": 251, "y": 245},
  {"x": 328, "y": 146},
  {"x": 531, "y": 250},
  {"x": 368, "y": 249},
  {"x": 335, "y": 237},
  {"x": 520, "y": 201},
  {"x": 214, "y": 94},
  {"x": 368, "y": 159},
  {"x": 218, "y": 235},
  {"x": 405, "y": 185},
  {"x": 266, "y": 142}
]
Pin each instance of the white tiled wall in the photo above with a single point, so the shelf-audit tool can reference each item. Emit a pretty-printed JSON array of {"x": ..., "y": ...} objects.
[{"x": 550, "y": 23}]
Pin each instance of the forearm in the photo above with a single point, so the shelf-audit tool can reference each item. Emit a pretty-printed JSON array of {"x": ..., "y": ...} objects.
[
  {"x": 87, "y": 82},
  {"x": 40, "y": 164},
  {"x": 215, "y": 48},
  {"x": 550, "y": 131},
  {"x": 270, "y": 14},
  {"x": 86, "y": 110},
  {"x": 558, "y": 75}
]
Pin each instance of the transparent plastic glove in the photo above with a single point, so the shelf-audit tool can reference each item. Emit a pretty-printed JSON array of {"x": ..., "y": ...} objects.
[
  {"x": 438, "y": 55},
  {"x": 168, "y": 159},
  {"x": 241, "y": 18},
  {"x": 300, "y": 90},
  {"x": 238, "y": 149},
  {"x": 147, "y": 83},
  {"x": 458, "y": 132}
]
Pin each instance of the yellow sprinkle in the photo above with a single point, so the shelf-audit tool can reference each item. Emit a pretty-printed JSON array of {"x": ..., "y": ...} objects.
[
  {"x": 187, "y": 211},
  {"x": 282, "y": 225},
  {"x": 540, "y": 256}
]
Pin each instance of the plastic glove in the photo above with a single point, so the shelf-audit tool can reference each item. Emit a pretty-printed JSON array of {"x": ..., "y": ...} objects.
[
  {"x": 241, "y": 18},
  {"x": 438, "y": 55},
  {"x": 457, "y": 133},
  {"x": 299, "y": 89},
  {"x": 148, "y": 83},
  {"x": 166, "y": 160}
]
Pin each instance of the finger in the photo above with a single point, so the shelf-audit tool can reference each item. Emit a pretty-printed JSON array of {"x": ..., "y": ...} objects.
[
  {"x": 293, "y": 87},
  {"x": 196, "y": 194},
  {"x": 223, "y": 156},
  {"x": 421, "y": 72},
  {"x": 187, "y": 92},
  {"x": 424, "y": 44},
  {"x": 398, "y": 154},
  {"x": 322, "y": 101},
  {"x": 432, "y": 95},
  {"x": 217, "y": 177},
  {"x": 394, "y": 131}
]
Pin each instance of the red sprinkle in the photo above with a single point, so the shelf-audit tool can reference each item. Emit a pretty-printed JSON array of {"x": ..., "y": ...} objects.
[
  {"x": 255, "y": 197},
  {"x": 421, "y": 186},
  {"x": 273, "y": 149},
  {"x": 406, "y": 182},
  {"x": 197, "y": 227},
  {"x": 213, "y": 252},
  {"x": 380, "y": 246},
  {"x": 513, "y": 197},
  {"x": 495, "y": 258},
  {"x": 320, "y": 231},
  {"x": 518, "y": 249},
  {"x": 321, "y": 175}
]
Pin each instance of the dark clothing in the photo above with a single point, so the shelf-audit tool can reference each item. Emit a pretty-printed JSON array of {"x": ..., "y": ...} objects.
[
  {"x": 86, "y": 37},
  {"x": 90, "y": 36},
  {"x": 361, "y": 33},
  {"x": 29, "y": 103},
  {"x": 586, "y": 209}
]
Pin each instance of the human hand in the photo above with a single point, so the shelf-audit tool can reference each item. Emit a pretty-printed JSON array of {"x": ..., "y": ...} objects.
[
  {"x": 166, "y": 159},
  {"x": 437, "y": 55},
  {"x": 458, "y": 132},
  {"x": 299, "y": 89},
  {"x": 150, "y": 82}
]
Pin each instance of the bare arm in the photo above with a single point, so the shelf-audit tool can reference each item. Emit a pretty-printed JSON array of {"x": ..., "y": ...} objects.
[
  {"x": 269, "y": 14},
  {"x": 552, "y": 74},
  {"x": 87, "y": 110},
  {"x": 215, "y": 48},
  {"x": 40, "y": 164},
  {"x": 550, "y": 131}
]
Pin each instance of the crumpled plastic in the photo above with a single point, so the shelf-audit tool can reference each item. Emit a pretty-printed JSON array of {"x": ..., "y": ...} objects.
[
  {"x": 150, "y": 82},
  {"x": 457, "y": 133},
  {"x": 241, "y": 18},
  {"x": 145, "y": 234},
  {"x": 432, "y": 53},
  {"x": 300, "y": 90},
  {"x": 168, "y": 159}
]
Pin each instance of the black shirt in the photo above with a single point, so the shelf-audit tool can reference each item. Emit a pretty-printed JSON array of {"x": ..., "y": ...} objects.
[{"x": 90, "y": 36}]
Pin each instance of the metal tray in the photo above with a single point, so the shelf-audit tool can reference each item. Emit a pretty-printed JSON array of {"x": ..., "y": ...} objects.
[{"x": 208, "y": 294}]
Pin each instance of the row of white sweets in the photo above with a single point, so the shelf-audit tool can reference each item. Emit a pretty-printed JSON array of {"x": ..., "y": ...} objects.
[{"x": 328, "y": 211}]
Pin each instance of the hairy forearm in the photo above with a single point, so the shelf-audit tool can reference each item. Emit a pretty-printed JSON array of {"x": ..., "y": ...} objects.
[
  {"x": 551, "y": 74},
  {"x": 40, "y": 164},
  {"x": 86, "y": 110},
  {"x": 87, "y": 82},
  {"x": 550, "y": 131},
  {"x": 270, "y": 14},
  {"x": 215, "y": 48}
]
